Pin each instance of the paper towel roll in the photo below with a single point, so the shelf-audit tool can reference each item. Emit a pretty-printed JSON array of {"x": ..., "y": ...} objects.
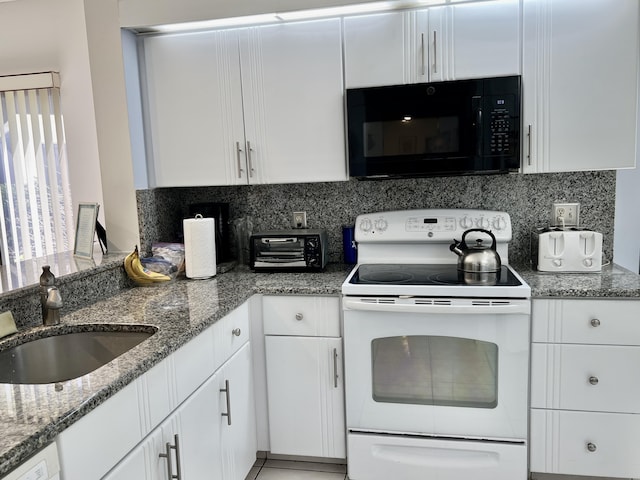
[{"x": 199, "y": 247}]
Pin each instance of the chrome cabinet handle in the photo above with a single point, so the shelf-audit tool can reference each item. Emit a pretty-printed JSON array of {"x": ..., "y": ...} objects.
[
  {"x": 591, "y": 447},
  {"x": 529, "y": 146},
  {"x": 238, "y": 152},
  {"x": 228, "y": 395},
  {"x": 299, "y": 316},
  {"x": 593, "y": 380},
  {"x": 168, "y": 456},
  {"x": 236, "y": 332},
  {"x": 595, "y": 322},
  {"x": 250, "y": 161},
  {"x": 423, "y": 54},
  {"x": 335, "y": 368},
  {"x": 435, "y": 52}
]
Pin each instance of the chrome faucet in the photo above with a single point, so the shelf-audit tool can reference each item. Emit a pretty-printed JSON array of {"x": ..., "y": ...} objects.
[
  {"x": 50, "y": 298},
  {"x": 51, "y": 307}
]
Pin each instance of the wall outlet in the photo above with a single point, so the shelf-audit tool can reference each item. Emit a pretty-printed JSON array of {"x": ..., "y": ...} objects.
[
  {"x": 299, "y": 219},
  {"x": 565, "y": 214}
]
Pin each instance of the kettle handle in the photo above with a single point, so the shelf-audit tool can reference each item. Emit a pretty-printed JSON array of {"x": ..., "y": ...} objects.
[{"x": 463, "y": 243}]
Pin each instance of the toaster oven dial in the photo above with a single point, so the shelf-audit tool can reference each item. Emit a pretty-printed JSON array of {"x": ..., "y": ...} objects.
[{"x": 588, "y": 262}]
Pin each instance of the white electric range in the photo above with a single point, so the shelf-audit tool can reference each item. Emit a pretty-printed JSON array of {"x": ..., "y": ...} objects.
[{"x": 436, "y": 364}]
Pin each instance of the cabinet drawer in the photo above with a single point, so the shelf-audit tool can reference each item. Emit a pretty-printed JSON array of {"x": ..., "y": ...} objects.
[
  {"x": 300, "y": 315},
  {"x": 230, "y": 333},
  {"x": 601, "y": 321},
  {"x": 585, "y": 377},
  {"x": 585, "y": 443}
]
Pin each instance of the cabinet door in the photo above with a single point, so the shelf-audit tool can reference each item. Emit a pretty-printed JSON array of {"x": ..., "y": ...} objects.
[
  {"x": 482, "y": 39},
  {"x": 306, "y": 396},
  {"x": 142, "y": 463},
  {"x": 375, "y": 49},
  {"x": 236, "y": 415},
  {"x": 199, "y": 434},
  {"x": 194, "y": 109},
  {"x": 293, "y": 98},
  {"x": 472, "y": 40},
  {"x": 579, "y": 84}
]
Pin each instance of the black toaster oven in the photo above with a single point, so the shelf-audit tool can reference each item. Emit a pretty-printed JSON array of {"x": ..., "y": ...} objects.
[{"x": 289, "y": 250}]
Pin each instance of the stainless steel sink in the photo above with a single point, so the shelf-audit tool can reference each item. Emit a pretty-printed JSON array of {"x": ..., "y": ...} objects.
[{"x": 62, "y": 357}]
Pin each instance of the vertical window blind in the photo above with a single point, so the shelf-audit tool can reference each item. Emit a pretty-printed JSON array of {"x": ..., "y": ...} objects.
[{"x": 36, "y": 211}]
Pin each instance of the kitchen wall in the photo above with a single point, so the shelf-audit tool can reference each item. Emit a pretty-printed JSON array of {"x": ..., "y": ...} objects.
[{"x": 527, "y": 198}]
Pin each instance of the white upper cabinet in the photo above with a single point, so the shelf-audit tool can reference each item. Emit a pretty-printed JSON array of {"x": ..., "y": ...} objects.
[
  {"x": 293, "y": 100},
  {"x": 452, "y": 42},
  {"x": 580, "y": 83},
  {"x": 255, "y": 105},
  {"x": 473, "y": 40},
  {"x": 194, "y": 105},
  {"x": 377, "y": 50}
]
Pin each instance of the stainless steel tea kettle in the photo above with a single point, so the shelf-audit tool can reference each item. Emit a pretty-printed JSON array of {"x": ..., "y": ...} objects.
[{"x": 477, "y": 258}]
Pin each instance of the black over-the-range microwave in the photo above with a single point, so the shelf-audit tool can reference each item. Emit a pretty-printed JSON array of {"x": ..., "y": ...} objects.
[{"x": 428, "y": 129}]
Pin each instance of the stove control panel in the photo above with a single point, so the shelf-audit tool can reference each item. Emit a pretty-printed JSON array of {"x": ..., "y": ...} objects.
[{"x": 430, "y": 225}]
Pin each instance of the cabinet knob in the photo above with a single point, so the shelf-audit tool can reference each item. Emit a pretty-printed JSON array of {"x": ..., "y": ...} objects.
[
  {"x": 236, "y": 332},
  {"x": 593, "y": 380},
  {"x": 299, "y": 316},
  {"x": 595, "y": 322},
  {"x": 591, "y": 447}
]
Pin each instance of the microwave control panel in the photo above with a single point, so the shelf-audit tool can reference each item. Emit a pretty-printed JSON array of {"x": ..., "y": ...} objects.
[{"x": 501, "y": 124}]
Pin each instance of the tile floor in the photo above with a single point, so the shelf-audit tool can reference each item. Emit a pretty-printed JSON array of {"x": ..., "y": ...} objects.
[{"x": 270, "y": 469}]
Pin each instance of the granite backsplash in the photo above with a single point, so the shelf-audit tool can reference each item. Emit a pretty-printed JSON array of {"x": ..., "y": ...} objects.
[{"x": 527, "y": 199}]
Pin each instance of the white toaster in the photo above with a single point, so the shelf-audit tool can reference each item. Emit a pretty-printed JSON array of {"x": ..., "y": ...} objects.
[{"x": 566, "y": 250}]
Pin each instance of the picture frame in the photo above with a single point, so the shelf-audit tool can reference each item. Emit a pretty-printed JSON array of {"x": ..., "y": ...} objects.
[{"x": 85, "y": 230}]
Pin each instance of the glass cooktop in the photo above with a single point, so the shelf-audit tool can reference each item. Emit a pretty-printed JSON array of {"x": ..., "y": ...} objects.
[{"x": 429, "y": 274}]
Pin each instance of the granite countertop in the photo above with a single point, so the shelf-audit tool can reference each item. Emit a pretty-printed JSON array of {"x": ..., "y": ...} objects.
[{"x": 32, "y": 415}]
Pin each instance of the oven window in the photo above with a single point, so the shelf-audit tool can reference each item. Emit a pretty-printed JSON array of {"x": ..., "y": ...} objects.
[{"x": 434, "y": 370}]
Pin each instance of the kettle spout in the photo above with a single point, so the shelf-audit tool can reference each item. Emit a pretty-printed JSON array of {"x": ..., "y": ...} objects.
[{"x": 454, "y": 247}]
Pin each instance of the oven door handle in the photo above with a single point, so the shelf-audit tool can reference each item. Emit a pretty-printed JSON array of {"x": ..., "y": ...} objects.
[{"x": 473, "y": 308}]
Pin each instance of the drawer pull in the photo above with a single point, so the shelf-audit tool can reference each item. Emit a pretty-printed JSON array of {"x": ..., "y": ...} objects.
[
  {"x": 591, "y": 447},
  {"x": 236, "y": 332},
  {"x": 593, "y": 380},
  {"x": 299, "y": 316},
  {"x": 595, "y": 322}
]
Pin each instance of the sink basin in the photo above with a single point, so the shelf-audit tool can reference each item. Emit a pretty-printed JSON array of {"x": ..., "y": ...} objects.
[{"x": 62, "y": 357}]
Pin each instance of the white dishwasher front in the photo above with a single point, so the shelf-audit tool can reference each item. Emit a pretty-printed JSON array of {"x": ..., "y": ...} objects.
[{"x": 44, "y": 465}]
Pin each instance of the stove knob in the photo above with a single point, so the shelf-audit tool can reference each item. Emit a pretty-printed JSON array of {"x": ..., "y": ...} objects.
[
  {"x": 365, "y": 225},
  {"x": 499, "y": 223},
  {"x": 557, "y": 262},
  {"x": 588, "y": 262},
  {"x": 466, "y": 222},
  {"x": 381, "y": 224},
  {"x": 483, "y": 223}
]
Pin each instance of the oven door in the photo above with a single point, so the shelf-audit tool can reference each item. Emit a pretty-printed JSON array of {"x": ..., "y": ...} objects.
[{"x": 438, "y": 367}]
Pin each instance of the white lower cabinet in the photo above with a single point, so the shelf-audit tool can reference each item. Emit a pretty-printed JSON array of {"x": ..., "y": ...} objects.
[
  {"x": 186, "y": 444},
  {"x": 211, "y": 435},
  {"x": 304, "y": 370},
  {"x": 193, "y": 412},
  {"x": 585, "y": 390},
  {"x": 236, "y": 416}
]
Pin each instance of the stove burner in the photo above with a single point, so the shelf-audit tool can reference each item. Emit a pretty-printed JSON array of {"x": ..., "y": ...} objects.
[{"x": 386, "y": 277}]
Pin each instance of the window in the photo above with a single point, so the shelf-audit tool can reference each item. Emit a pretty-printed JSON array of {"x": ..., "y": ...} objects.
[{"x": 36, "y": 211}]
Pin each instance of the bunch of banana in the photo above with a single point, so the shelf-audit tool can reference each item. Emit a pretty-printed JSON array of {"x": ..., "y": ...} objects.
[{"x": 138, "y": 273}]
